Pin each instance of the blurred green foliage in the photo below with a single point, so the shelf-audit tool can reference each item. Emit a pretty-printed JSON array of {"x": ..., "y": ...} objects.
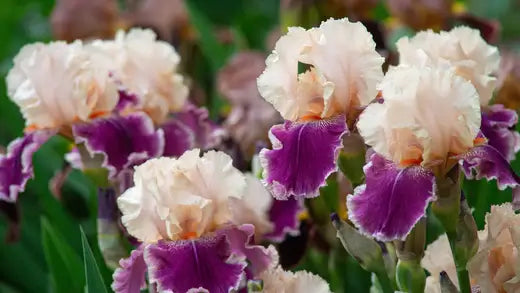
[{"x": 52, "y": 255}]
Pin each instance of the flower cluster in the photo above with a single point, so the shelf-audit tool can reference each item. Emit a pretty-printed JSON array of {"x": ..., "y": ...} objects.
[
  {"x": 120, "y": 101},
  {"x": 197, "y": 218}
]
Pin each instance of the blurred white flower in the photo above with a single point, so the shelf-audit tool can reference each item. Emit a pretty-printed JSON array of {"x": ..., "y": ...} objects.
[
  {"x": 277, "y": 280},
  {"x": 57, "y": 84},
  {"x": 343, "y": 69},
  {"x": 425, "y": 115},
  {"x": 438, "y": 258},
  {"x": 462, "y": 48},
  {"x": 496, "y": 266},
  {"x": 181, "y": 198},
  {"x": 145, "y": 67},
  {"x": 253, "y": 207}
]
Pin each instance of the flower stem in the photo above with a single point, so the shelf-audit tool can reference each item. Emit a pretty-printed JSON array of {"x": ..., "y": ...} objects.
[
  {"x": 453, "y": 212},
  {"x": 460, "y": 264},
  {"x": 384, "y": 281}
]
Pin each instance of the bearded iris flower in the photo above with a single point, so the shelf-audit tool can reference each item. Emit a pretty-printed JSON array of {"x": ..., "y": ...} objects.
[
  {"x": 343, "y": 69},
  {"x": 113, "y": 99},
  {"x": 427, "y": 122},
  {"x": 184, "y": 211}
]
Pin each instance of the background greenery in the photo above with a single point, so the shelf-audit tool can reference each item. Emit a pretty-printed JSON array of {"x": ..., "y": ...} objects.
[{"x": 51, "y": 254}]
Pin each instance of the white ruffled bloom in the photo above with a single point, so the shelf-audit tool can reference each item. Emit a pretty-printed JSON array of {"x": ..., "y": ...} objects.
[
  {"x": 496, "y": 266},
  {"x": 145, "y": 67},
  {"x": 438, "y": 258},
  {"x": 277, "y": 280},
  {"x": 425, "y": 115},
  {"x": 344, "y": 69},
  {"x": 57, "y": 84},
  {"x": 181, "y": 198},
  {"x": 253, "y": 207},
  {"x": 463, "y": 48}
]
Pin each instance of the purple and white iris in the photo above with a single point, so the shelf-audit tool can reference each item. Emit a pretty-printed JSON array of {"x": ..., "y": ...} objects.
[
  {"x": 118, "y": 108},
  {"x": 316, "y": 104},
  {"x": 184, "y": 212},
  {"x": 429, "y": 120}
]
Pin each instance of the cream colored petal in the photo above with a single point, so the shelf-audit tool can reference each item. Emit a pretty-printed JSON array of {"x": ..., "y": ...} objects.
[
  {"x": 146, "y": 67},
  {"x": 57, "y": 84},
  {"x": 438, "y": 258},
  {"x": 345, "y": 54},
  {"x": 305, "y": 282},
  {"x": 253, "y": 207},
  {"x": 279, "y": 82},
  {"x": 181, "y": 198},
  {"x": 343, "y": 69},
  {"x": 425, "y": 113},
  {"x": 462, "y": 48}
]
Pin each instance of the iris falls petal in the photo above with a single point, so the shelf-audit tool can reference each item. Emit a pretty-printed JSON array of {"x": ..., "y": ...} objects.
[
  {"x": 123, "y": 140},
  {"x": 303, "y": 155},
  {"x": 16, "y": 165},
  {"x": 392, "y": 200},
  {"x": 180, "y": 266}
]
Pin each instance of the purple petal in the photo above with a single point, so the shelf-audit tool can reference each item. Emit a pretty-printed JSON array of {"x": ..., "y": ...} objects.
[
  {"x": 487, "y": 162},
  {"x": 284, "y": 215},
  {"x": 498, "y": 127},
  {"x": 130, "y": 277},
  {"x": 16, "y": 165},
  {"x": 303, "y": 156},
  {"x": 123, "y": 140},
  {"x": 392, "y": 200},
  {"x": 241, "y": 240},
  {"x": 178, "y": 138},
  {"x": 187, "y": 264},
  {"x": 126, "y": 100}
]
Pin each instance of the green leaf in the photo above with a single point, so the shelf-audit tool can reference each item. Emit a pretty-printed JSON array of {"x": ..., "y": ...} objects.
[
  {"x": 95, "y": 283},
  {"x": 64, "y": 264}
]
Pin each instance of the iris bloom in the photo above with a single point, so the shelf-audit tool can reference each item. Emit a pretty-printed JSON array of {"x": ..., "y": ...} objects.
[
  {"x": 183, "y": 212},
  {"x": 475, "y": 60},
  {"x": 317, "y": 79},
  {"x": 106, "y": 99},
  {"x": 426, "y": 122},
  {"x": 277, "y": 280},
  {"x": 495, "y": 266}
]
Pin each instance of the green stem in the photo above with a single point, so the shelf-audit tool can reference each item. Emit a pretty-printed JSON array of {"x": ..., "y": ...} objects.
[
  {"x": 385, "y": 282},
  {"x": 462, "y": 272}
]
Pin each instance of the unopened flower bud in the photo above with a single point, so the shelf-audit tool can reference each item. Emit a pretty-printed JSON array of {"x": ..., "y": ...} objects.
[
  {"x": 409, "y": 273},
  {"x": 466, "y": 243}
]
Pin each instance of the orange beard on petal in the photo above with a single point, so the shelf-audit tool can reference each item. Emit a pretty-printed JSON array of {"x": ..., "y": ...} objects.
[
  {"x": 188, "y": 235},
  {"x": 97, "y": 114},
  {"x": 31, "y": 128},
  {"x": 309, "y": 118}
]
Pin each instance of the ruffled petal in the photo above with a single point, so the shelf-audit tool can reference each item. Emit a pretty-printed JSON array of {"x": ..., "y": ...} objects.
[
  {"x": 123, "y": 140},
  {"x": 16, "y": 165},
  {"x": 242, "y": 243},
  {"x": 182, "y": 265},
  {"x": 190, "y": 128},
  {"x": 497, "y": 126},
  {"x": 178, "y": 138},
  {"x": 487, "y": 162},
  {"x": 303, "y": 155},
  {"x": 130, "y": 277},
  {"x": 284, "y": 216},
  {"x": 392, "y": 200}
]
